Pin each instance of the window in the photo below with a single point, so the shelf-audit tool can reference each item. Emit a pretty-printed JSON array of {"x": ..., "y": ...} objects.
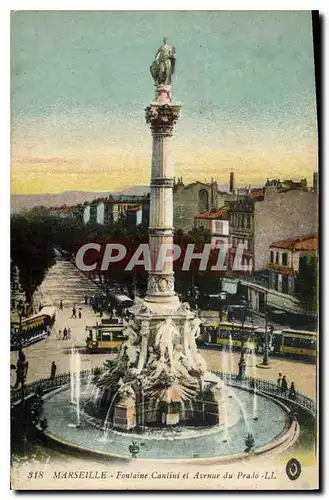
[
  {"x": 272, "y": 256},
  {"x": 284, "y": 259},
  {"x": 277, "y": 258},
  {"x": 219, "y": 226},
  {"x": 284, "y": 284},
  {"x": 248, "y": 221},
  {"x": 203, "y": 200}
]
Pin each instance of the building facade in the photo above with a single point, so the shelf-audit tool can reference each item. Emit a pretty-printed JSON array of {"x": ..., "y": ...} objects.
[
  {"x": 283, "y": 213},
  {"x": 192, "y": 199},
  {"x": 241, "y": 223},
  {"x": 138, "y": 215},
  {"x": 111, "y": 210},
  {"x": 64, "y": 212},
  {"x": 286, "y": 258},
  {"x": 216, "y": 221}
]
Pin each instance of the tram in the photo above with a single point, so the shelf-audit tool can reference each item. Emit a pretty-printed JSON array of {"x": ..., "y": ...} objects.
[
  {"x": 32, "y": 329},
  {"x": 287, "y": 342},
  {"x": 227, "y": 334},
  {"x": 121, "y": 302},
  {"x": 299, "y": 343},
  {"x": 107, "y": 336}
]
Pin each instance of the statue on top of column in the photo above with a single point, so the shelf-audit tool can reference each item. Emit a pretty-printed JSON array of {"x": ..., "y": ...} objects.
[{"x": 163, "y": 66}]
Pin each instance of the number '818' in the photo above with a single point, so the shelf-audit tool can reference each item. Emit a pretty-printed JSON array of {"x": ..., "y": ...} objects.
[{"x": 35, "y": 475}]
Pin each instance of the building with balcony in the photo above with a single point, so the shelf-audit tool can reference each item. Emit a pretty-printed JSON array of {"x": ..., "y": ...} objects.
[{"x": 241, "y": 223}]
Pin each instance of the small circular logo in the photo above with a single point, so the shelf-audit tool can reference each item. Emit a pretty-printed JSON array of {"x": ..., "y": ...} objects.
[{"x": 293, "y": 469}]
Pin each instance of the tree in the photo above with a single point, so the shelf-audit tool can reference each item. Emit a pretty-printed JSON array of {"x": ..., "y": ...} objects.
[{"x": 32, "y": 247}]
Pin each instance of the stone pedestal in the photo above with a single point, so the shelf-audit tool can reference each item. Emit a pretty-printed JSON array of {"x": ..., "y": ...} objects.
[
  {"x": 172, "y": 418},
  {"x": 125, "y": 414}
]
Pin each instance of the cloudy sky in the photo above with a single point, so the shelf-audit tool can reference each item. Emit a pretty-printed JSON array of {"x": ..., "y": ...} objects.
[{"x": 80, "y": 82}]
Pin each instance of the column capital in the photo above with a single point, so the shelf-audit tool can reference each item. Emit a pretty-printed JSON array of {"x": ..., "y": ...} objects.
[{"x": 162, "y": 117}]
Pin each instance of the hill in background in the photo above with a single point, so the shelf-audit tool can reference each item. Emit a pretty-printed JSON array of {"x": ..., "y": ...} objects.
[{"x": 19, "y": 202}]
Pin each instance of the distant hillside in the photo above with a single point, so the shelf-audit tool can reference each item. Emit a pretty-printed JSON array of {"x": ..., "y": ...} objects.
[{"x": 21, "y": 202}]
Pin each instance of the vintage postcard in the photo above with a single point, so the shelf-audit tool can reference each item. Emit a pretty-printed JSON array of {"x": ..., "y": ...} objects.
[{"x": 164, "y": 250}]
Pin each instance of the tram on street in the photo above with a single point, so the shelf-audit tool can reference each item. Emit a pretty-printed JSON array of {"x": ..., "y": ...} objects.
[
  {"x": 121, "y": 302},
  {"x": 287, "y": 342},
  {"x": 32, "y": 329},
  {"x": 228, "y": 334},
  {"x": 296, "y": 343},
  {"x": 107, "y": 336}
]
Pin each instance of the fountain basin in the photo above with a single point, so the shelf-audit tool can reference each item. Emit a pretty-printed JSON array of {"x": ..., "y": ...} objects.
[{"x": 174, "y": 444}]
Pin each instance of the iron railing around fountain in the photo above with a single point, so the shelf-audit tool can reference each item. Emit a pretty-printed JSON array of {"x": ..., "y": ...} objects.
[
  {"x": 269, "y": 388},
  {"x": 47, "y": 384}
]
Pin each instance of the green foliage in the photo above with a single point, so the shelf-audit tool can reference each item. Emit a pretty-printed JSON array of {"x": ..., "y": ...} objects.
[
  {"x": 35, "y": 234},
  {"x": 32, "y": 247},
  {"x": 25, "y": 417}
]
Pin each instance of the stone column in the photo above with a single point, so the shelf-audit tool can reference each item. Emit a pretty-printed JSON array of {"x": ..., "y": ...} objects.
[{"x": 162, "y": 114}]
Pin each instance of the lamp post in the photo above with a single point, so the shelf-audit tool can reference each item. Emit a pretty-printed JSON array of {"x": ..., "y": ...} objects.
[
  {"x": 265, "y": 357},
  {"x": 242, "y": 361},
  {"x": 265, "y": 363}
]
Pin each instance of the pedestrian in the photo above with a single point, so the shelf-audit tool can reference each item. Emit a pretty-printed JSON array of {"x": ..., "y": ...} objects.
[
  {"x": 59, "y": 336},
  {"x": 292, "y": 391},
  {"x": 65, "y": 334},
  {"x": 79, "y": 314},
  {"x": 86, "y": 300},
  {"x": 68, "y": 333},
  {"x": 284, "y": 385},
  {"x": 61, "y": 305},
  {"x": 279, "y": 381},
  {"x": 53, "y": 370},
  {"x": 74, "y": 312}
]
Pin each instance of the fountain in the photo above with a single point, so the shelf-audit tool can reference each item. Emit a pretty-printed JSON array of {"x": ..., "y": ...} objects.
[{"x": 159, "y": 387}]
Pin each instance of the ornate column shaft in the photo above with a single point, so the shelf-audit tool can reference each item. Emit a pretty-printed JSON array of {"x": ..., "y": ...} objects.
[{"x": 162, "y": 114}]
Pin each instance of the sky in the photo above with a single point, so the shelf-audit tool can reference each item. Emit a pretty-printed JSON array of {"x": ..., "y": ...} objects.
[{"x": 80, "y": 82}]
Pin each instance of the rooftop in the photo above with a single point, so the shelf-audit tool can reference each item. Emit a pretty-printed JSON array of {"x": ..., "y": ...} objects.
[
  {"x": 134, "y": 209},
  {"x": 213, "y": 214},
  {"x": 306, "y": 242},
  {"x": 256, "y": 194}
]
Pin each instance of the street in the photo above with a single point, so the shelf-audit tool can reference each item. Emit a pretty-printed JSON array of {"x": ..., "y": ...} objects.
[{"x": 64, "y": 282}]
